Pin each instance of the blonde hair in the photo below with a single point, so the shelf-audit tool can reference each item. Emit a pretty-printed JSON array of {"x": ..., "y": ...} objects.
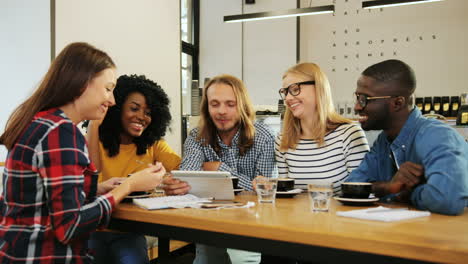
[
  {"x": 326, "y": 117},
  {"x": 208, "y": 131}
]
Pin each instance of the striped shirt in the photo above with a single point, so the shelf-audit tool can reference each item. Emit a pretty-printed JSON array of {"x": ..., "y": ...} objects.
[
  {"x": 48, "y": 205},
  {"x": 258, "y": 160},
  {"x": 343, "y": 151}
]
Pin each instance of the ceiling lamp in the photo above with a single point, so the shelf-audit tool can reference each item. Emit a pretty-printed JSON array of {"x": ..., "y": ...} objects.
[
  {"x": 387, "y": 3},
  {"x": 280, "y": 14}
]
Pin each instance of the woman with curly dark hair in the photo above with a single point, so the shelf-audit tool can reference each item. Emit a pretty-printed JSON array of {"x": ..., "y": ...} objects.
[{"x": 128, "y": 139}]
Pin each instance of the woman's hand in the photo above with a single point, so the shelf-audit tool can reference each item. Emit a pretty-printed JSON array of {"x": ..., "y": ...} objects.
[
  {"x": 146, "y": 179},
  {"x": 109, "y": 185}
]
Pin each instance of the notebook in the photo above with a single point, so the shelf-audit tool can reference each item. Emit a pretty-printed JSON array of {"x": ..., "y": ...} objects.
[
  {"x": 164, "y": 202},
  {"x": 384, "y": 214},
  {"x": 208, "y": 184}
]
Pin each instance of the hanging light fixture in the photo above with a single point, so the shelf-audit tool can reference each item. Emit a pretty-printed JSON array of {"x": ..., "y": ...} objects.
[
  {"x": 387, "y": 3},
  {"x": 281, "y": 14}
]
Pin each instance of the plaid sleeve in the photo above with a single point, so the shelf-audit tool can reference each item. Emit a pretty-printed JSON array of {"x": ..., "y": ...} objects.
[
  {"x": 193, "y": 153},
  {"x": 62, "y": 160},
  {"x": 266, "y": 165}
]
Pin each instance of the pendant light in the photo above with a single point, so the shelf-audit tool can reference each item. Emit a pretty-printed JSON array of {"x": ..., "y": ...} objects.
[
  {"x": 388, "y": 3},
  {"x": 280, "y": 14}
]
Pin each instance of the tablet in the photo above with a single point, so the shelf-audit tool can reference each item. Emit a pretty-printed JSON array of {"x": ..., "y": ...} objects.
[{"x": 208, "y": 184}]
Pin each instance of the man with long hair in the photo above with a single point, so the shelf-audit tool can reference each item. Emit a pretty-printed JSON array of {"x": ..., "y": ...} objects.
[
  {"x": 227, "y": 139},
  {"x": 415, "y": 159}
]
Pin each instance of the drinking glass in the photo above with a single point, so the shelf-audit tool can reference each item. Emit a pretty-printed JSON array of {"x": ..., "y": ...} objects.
[
  {"x": 266, "y": 189},
  {"x": 320, "y": 194}
]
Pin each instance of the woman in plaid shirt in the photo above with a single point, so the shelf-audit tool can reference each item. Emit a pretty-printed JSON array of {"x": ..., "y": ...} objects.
[{"x": 51, "y": 201}]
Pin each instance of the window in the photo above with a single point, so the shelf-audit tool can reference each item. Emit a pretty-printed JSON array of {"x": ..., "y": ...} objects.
[{"x": 190, "y": 10}]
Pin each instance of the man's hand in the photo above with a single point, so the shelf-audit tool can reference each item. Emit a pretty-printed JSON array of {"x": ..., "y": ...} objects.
[
  {"x": 409, "y": 175},
  {"x": 173, "y": 186},
  {"x": 254, "y": 181},
  {"x": 211, "y": 165}
]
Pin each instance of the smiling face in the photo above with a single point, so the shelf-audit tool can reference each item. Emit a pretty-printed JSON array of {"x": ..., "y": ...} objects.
[
  {"x": 97, "y": 97},
  {"x": 135, "y": 118},
  {"x": 222, "y": 106},
  {"x": 376, "y": 114},
  {"x": 304, "y": 104}
]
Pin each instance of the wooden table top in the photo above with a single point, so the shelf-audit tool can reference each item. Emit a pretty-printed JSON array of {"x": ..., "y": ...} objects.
[{"x": 436, "y": 238}]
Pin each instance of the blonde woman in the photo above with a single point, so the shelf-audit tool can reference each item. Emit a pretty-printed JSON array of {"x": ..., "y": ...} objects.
[{"x": 316, "y": 143}]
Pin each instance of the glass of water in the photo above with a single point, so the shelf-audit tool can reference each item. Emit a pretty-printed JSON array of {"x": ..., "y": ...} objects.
[
  {"x": 320, "y": 194},
  {"x": 266, "y": 189}
]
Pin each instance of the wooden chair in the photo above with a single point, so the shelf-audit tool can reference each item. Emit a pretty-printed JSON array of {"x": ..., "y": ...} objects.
[{"x": 153, "y": 246}]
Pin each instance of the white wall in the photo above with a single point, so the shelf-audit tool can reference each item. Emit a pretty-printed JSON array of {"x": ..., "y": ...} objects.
[
  {"x": 142, "y": 37},
  {"x": 24, "y": 52},
  {"x": 220, "y": 43},
  {"x": 258, "y": 53},
  {"x": 431, "y": 37},
  {"x": 269, "y": 50}
]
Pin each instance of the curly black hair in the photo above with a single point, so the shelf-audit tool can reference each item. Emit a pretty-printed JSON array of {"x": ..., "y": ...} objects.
[{"x": 156, "y": 99}]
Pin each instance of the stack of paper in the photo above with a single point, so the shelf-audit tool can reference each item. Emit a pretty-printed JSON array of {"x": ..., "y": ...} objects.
[
  {"x": 176, "y": 201},
  {"x": 384, "y": 214}
]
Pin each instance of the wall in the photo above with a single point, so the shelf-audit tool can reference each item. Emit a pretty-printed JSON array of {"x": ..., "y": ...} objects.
[
  {"x": 142, "y": 37},
  {"x": 431, "y": 37},
  {"x": 258, "y": 52},
  {"x": 24, "y": 52}
]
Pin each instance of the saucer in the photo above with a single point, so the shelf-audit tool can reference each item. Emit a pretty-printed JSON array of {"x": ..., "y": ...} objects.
[
  {"x": 288, "y": 194},
  {"x": 236, "y": 191},
  {"x": 356, "y": 202}
]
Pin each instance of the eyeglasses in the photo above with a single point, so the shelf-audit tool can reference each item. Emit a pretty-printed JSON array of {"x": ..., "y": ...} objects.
[
  {"x": 294, "y": 89},
  {"x": 363, "y": 99}
]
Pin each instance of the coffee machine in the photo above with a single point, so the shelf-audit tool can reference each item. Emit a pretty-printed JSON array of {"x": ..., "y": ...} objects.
[{"x": 462, "y": 118}]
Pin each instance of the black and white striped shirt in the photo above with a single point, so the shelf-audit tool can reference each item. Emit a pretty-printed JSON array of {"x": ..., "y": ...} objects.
[{"x": 343, "y": 151}]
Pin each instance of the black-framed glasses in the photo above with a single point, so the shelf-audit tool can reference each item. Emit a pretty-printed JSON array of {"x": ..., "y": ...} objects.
[
  {"x": 293, "y": 89},
  {"x": 363, "y": 99}
]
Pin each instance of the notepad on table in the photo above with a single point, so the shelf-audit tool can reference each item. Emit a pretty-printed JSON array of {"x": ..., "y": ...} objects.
[
  {"x": 384, "y": 214},
  {"x": 164, "y": 202}
]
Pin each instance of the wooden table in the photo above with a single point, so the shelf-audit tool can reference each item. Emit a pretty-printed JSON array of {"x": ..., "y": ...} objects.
[{"x": 289, "y": 228}]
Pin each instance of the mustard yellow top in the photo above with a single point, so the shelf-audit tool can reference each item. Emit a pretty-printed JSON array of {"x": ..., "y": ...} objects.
[{"x": 127, "y": 161}]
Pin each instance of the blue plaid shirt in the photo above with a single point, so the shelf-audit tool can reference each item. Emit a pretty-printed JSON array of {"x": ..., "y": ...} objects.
[{"x": 258, "y": 160}]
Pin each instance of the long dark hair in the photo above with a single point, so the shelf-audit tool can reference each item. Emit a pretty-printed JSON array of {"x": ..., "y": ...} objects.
[
  {"x": 156, "y": 99},
  {"x": 65, "y": 81}
]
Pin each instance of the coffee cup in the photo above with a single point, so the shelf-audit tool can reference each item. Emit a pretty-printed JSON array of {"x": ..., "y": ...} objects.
[
  {"x": 357, "y": 190},
  {"x": 285, "y": 184},
  {"x": 235, "y": 182}
]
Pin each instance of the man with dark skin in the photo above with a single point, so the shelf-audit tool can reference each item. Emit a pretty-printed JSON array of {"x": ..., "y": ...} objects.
[{"x": 408, "y": 162}]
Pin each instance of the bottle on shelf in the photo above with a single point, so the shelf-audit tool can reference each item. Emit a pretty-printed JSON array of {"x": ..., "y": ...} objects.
[
  {"x": 445, "y": 106},
  {"x": 436, "y": 105},
  {"x": 454, "y": 105},
  {"x": 419, "y": 103},
  {"x": 427, "y": 107}
]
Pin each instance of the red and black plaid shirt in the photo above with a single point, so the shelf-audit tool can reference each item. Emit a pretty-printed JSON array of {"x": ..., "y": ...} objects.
[{"x": 49, "y": 206}]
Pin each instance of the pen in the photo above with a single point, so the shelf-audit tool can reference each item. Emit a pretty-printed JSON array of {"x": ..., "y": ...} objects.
[{"x": 386, "y": 210}]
